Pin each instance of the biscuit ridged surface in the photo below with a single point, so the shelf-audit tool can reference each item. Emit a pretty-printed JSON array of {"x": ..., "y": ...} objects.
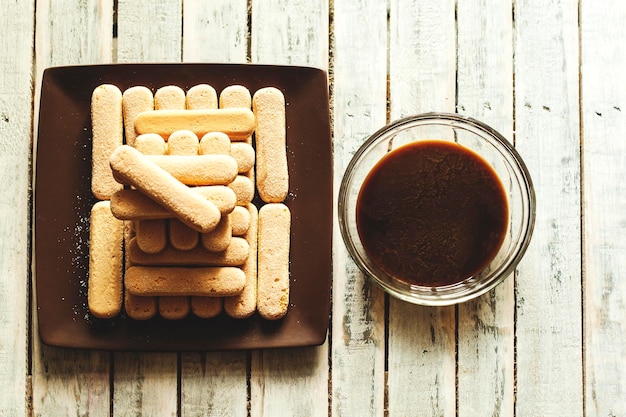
[
  {"x": 107, "y": 134},
  {"x": 272, "y": 176},
  {"x": 273, "y": 260},
  {"x": 105, "y": 262}
]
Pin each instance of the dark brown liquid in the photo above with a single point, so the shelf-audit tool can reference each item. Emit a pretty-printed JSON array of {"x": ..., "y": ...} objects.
[{"x": 432, "y": 213}]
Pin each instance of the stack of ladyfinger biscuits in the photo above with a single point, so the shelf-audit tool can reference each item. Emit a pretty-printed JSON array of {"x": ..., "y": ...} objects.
[{"x": 176, "y": 231}]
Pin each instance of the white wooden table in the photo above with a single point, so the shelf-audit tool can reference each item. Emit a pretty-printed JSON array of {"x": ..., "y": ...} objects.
[{"x": 548, "y": 74}]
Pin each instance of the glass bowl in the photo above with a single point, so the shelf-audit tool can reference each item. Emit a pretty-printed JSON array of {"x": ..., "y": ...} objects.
[{"x": 482, "y": 141}]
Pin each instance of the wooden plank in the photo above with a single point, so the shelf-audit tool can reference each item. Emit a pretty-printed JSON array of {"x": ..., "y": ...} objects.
[
  {"x": 548, "y": 282},
  {"x": 149, "y": 31},
  {"x": 16, "y": 101},
  {"x": 290, "y": 33},
  {"x": 215, "y": 383},
  {"x": 290, "y": 382},
  {"x": 421, "y": 352},
  {"x": 215, "y": 31},
  {"x": 603, "y": 64},
  {"x": 66, "y": 381},
  {"x": 358, "y": 336},
  {"x": 485, "y": 336},
  {"x": 146, "y": 384}
]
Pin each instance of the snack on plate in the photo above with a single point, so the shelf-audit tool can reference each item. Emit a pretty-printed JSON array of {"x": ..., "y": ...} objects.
[
  {"x": 177, "y": 281},
  {"x": 150, "y": 144},
  {"x": 273, "y": 260},
  {"x": 238, "y": 96},
  {"x": 206, "y": 307},
  {"x": 201, "y": 96},
  {"x": 272, "y": 175},
  {"x": 237, "y": 123},
  {"x": 186, "y": 236},
  {"x": 240, "y": 219},
  {"x": 135, "y": 100},
  {"x": 151, "y": 235},
  {"x": 107, "y": 134},
  {"x": 243, "y": 189},
  {"x": 219, "y": 238},
  {"x": 137, "y": 308},
  {"x": 183, "y": 142},
  {"x": 215, "y": 143},
  {"x": 174, "y": 307},
  {"x": 244, "y": 305},
  {"x": 169, "y": 97},
  {"x": 105, "y": 262}
]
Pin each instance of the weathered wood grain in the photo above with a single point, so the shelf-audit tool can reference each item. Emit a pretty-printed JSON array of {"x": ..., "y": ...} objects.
[
  {"x": 16, "y": 67},
  {"x": 603, "y": 101},
  {"x": 485, "y": 336},
  {"x": 149, "y": 31},
  {"x": 66, "y": 381},
  {"x": 358, "y": 333},
  {"x": 548, "y": 281},
  {"x": 215, "y": 383},
  {"x": 422, "y": 65},
  {"x": 294, "y": 32},
  {"x": 290, "y": 382},
  {"x": 215, "y": 31},
  {"x": 146, "y": 384}
]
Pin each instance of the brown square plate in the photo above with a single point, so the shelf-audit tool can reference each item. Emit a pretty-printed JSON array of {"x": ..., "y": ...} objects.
[{"x": 63, "y": 201}]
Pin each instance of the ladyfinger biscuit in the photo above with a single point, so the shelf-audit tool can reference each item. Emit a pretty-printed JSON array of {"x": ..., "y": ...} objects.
[
  {"x": 237, "y": 123},
  {"x": 107, "y": 134},
  {"x": 104, "y": 293},
  {"x": 238, "y": 96},
  {"x": 183, "y": 142},
  {"x": 173, "y": 97},
  {"x": 272, "y": 175},
  {"x": 206, "y": 307},
  {"x": 131, "y": 167},
  {"x": 201, "y": 96},
  {"x": 169, "y": 97},
  {"x": 182, "y": 237},
  {"x": 198, "y": 169},
  {"x": 177, "y": 281},
  {"x": 243, "y": 189},
  {"x": 235, "y": 96},
  {"x": 235, "y": 255},
  {"x": 219, "y": 238},
  {"x": 244, "y": 155},
  {"x": 215, "y": 143},
  {"x": 244, "y": 305},
  {"x": 240, "y": 220},
  {"x": 150, "y": 144},
  {"x": 151, "y": 235},
  {"x": 273, "y": 260},
  {"x": 130, "y": 204},
  {"x": 174, "y": 307},
  {"x": 137, "y": 308},
  {"x": 135, "y": 100}
]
